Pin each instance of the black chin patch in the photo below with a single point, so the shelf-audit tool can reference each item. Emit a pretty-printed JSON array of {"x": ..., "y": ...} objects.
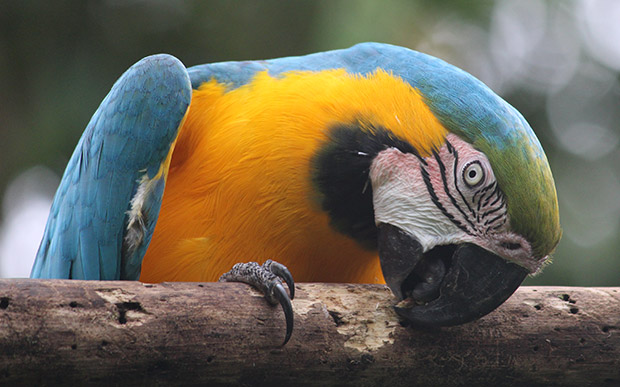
[{"x": 340, "y": 171}]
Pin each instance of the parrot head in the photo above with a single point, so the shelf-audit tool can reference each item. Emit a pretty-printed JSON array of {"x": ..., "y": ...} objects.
[
  {"x": 461, "y": 222},
  {"x": 446, "y": 238},
  {"x": 461, "y": 228}
]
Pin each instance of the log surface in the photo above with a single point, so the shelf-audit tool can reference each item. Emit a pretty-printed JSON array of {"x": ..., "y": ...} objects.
[{"x": 77, "y": 332}]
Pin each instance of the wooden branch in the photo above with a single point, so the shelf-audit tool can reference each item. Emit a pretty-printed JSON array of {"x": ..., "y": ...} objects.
[{"x": 78, "y": 332}]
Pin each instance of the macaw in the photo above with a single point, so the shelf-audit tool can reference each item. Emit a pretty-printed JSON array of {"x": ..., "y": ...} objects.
[{"x": 372, "y": 164}]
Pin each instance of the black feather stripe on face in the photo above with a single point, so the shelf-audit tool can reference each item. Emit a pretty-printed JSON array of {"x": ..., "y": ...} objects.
[
  {"x": 340, "y": 174},
  {"x": 442, "y": 170},
  {"x": 477, "y": 211},
  {"x": 437, "y": 202}
]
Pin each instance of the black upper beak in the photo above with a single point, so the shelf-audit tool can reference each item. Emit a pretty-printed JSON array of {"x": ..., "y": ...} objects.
[{"x": 449, "y": 285}]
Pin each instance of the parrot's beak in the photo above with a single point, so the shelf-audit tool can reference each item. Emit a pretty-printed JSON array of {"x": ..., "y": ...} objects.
[{"x": 448, "y": 285}]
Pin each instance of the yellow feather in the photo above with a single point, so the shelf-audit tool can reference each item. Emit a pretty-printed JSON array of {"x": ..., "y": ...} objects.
[{"x": 239, "y": 187}]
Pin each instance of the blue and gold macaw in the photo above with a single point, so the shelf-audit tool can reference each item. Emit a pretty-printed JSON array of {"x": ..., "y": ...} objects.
[{"x": 373, "y": 164}]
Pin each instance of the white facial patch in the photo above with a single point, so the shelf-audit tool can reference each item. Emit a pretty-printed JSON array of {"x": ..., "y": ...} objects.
[
  {"x": 401, "y": 198},
  {"x": 449, "y": 197}
]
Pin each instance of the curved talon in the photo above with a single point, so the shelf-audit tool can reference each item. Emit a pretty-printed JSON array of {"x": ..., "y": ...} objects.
[
  {"x": 282, "y": 271},
  {"x": 285, "y": 301},
  {"x": 266, "y": 279}
]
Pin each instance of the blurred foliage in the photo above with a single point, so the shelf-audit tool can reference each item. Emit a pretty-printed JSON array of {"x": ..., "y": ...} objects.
[{"x": 58, "y": 60}]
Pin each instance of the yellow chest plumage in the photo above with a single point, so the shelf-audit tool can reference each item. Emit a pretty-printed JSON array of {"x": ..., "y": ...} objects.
[{"x": 240, "y": 187}]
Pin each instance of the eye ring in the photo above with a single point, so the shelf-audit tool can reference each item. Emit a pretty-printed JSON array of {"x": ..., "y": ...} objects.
[{"x": 473, "y": 174}]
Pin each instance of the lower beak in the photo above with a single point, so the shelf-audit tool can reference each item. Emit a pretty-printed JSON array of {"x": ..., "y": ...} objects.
[{"x": 448, "y": 285}]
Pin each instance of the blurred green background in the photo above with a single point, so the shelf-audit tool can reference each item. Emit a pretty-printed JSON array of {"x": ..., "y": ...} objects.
[{"x": 556, "y": 61}]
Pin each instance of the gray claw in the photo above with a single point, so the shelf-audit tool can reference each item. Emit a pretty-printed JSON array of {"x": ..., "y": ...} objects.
[
  {"x": 266, "y": 279},
  {"x": 285, "y": 301},
  {"x": 281, "y": 271}
]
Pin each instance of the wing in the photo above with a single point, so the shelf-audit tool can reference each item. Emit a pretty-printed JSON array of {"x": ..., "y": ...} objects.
[{"x": 108, "y": 201}]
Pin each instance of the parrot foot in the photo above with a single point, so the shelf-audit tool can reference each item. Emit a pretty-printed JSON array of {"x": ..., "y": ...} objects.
[{"x": 266, "y": 279}]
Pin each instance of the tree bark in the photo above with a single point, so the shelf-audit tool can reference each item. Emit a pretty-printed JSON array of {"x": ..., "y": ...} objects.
[{"x": 77, "y": 332}]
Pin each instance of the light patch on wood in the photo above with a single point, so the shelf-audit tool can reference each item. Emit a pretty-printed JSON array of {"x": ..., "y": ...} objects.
[
  {"x": 128, "y": 311},
  {"x": 367, "y": 327},
  {"x": 115, "y": 296},
  {"x": 303, "y": 307}
]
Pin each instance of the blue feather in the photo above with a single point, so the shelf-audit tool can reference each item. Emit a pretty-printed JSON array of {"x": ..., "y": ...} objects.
[
  {"x": 131, "y": 132},
  {"x": 461, "y": 102}
]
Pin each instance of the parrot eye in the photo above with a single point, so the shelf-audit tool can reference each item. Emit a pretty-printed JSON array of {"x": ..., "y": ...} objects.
[{"x": 473, "y": 174}]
